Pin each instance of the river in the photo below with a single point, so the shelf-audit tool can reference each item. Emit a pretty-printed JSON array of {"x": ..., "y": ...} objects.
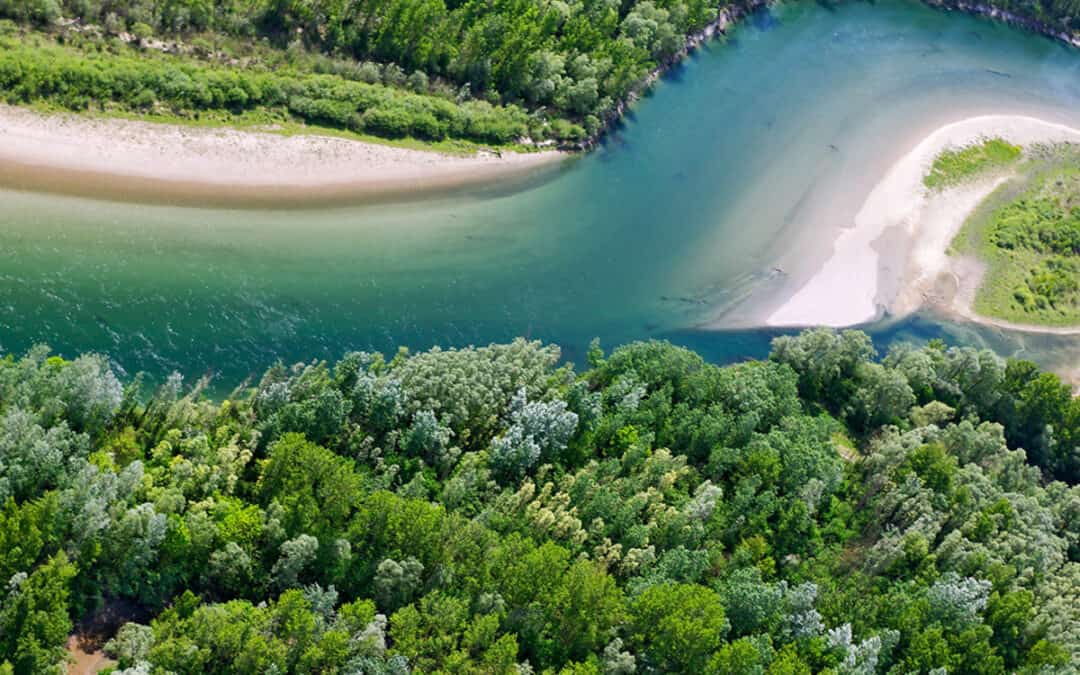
[{"x": 730, "y": 179}]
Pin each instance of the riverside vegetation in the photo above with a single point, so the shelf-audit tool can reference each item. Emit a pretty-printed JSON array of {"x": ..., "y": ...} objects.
[
  {"x": 487, "y": 71},
  {"x": 490, "y": 510},
  {"x": 86, "y": 74},
  {"x": 1028, "y": 234},
  {"x": 492, "y": 73}
]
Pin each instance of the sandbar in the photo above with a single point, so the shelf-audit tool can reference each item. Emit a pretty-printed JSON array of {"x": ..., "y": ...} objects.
[
  {"x": 119, "y": 158},
  {"x": 869, "y": 274}
]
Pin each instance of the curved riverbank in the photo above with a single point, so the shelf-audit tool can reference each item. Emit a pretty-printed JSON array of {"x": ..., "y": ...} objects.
[
  {"x": 131, "y": 160},
  {"x": 954, "y": 296},
  {"x": 892, "y": 259},
  {"x": 725, "y": 18},
  {"x": 1011, "y": 18},
  {"x": 731, "y": 14}
]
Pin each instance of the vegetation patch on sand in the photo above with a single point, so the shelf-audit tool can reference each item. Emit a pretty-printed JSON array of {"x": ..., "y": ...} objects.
[
  {"x": 1028, "y": 234},
  {"x": 956, "y": 165}
]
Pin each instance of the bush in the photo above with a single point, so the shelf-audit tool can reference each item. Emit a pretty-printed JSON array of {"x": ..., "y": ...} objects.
[
  {"x": 424, "y": 125},
  {"x": 566, "y": 131},
  {"x": 145, "y": 99},
  {"x": 392, "y": 122},
  {"x": 142, "y": 32}
]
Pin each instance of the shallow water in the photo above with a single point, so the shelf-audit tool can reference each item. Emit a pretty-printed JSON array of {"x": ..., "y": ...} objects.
[{"x": 741, "y": 163}]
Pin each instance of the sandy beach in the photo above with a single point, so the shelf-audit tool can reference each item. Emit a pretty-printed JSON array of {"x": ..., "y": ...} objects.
[
  {"x": 120, "y": 158},
  {"x": 869, "y": 273}
]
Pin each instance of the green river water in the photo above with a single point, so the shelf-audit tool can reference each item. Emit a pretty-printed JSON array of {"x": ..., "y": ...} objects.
[{"x": 744, "y": 159}]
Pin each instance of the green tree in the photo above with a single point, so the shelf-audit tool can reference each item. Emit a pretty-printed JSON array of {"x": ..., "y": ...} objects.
[
  {"x": 679, "y": 626},
  {"x": 317, "y": 489},
  {"x": 34, "y": 621}
]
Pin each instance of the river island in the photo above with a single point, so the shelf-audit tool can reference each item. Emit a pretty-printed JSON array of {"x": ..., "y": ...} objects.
[{"x": 860, "y": 282}]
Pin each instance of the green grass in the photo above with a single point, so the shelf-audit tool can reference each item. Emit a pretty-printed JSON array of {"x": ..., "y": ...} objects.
[
  {"x": 954, "y": 166},
  {"x": 278, "y": 121},
  {"x": 1026, "y": 234}
]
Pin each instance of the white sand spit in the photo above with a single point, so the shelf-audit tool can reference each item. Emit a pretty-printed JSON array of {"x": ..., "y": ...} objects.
[
  {"x": 230, "y": 158},
  {"x": 848, "y": 290}
]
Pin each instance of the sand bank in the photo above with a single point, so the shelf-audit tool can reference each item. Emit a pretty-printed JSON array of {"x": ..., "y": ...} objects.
[
  {"x": 870, "y": 273},
  {"x": 118, "y": 158}
]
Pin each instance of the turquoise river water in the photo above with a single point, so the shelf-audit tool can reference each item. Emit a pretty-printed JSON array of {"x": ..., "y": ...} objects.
[{"x": 745, "y": 159}]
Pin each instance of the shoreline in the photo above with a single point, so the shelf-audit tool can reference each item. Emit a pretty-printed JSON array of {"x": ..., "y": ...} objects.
[
  {"x": 730, "y": 14},
  {"x": 36, "y": 156},
  {"x": 962, "y": 281},
  {"x": 135, "y": 160},
  {"x": 1010, "y": 18},
  {"x": 891, "y": 261},
  {"x": 726, "y": 16}
]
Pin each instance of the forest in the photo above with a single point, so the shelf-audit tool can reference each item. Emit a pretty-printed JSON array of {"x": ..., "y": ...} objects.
[
  {"x": 481, "y": 72},
  {"x": 497, "y": 510},
  {"x": 489, "y": 71}
]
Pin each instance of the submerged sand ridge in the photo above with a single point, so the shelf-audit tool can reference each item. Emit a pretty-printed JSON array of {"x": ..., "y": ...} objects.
[
  {"x": 74, "y": 153},
  {"x": 860, "y": 281}
]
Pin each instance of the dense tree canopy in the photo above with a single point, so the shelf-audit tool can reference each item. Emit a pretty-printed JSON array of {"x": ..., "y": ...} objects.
[
  {"x": 490, "y": 510},
  {"x": 492, "y": 71}
]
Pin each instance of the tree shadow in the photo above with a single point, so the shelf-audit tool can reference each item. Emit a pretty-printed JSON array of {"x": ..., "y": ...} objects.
[
  {"x": 615, "y": 138},
  {"x": 675, "y": 73},
  {"x": 764, "y": 20}
]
